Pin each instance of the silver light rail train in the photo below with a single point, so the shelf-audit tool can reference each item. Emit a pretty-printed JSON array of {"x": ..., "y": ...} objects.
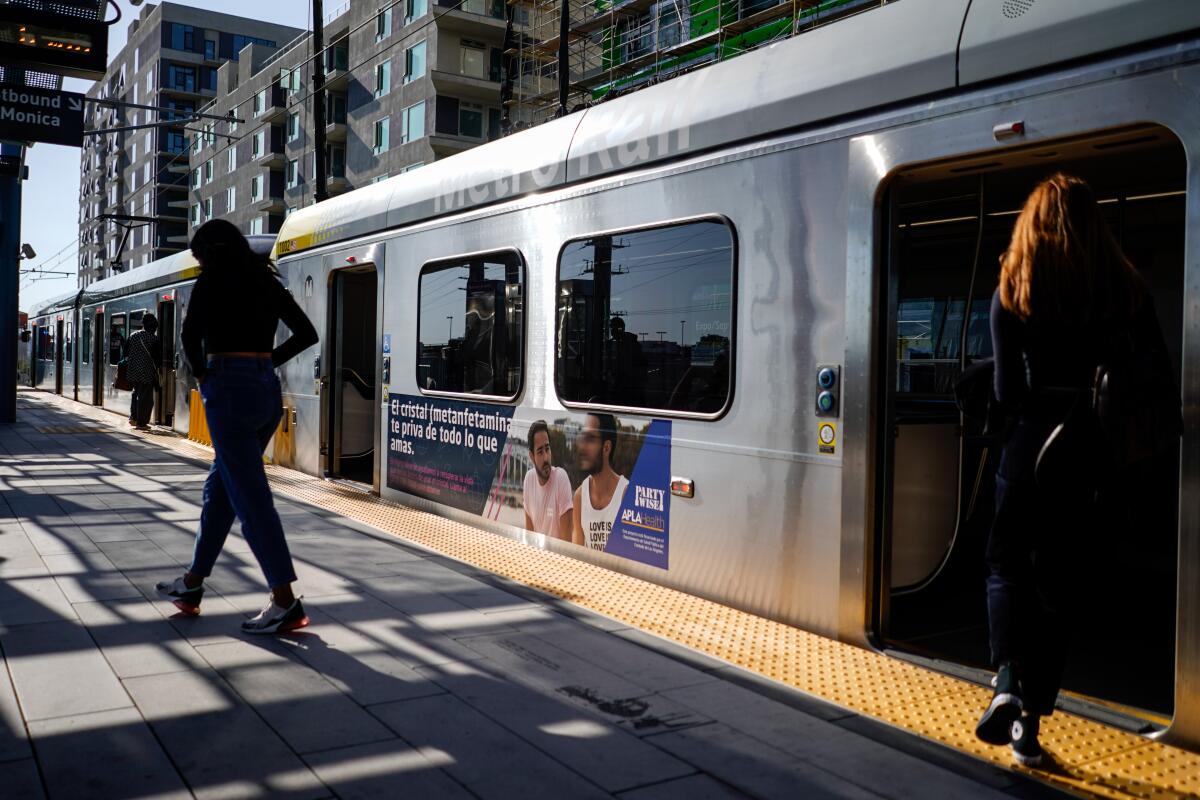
[{"x": 706, "y": 334}]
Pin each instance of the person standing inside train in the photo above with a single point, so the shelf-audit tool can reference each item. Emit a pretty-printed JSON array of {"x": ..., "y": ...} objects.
[
  {"x": 236, "y": 306},
  {"x": 143, "y": 354},
  {"x": 1065, "y": 288}
]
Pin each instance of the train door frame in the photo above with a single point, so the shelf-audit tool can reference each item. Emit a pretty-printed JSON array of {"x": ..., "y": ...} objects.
[
  {"x": 361, "y": 259},
  {"x": 164, "y": 406},
  {"x": 1050, "y": 109},
  {"x": 60, "y": 327}
]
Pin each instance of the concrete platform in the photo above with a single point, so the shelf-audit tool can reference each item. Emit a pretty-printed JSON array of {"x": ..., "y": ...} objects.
[{"x": 420, "y": 676}]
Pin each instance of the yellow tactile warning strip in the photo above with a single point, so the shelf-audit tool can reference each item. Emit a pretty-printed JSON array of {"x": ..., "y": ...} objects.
[{"x": 1087, "y": 758}]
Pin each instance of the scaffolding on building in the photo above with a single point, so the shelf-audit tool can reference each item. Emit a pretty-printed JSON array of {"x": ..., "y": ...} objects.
[{"x": 617, "y": 46}]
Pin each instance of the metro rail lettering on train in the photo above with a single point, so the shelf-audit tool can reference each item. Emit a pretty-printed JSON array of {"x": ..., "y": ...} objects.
[{"x": 668, "y": 317}]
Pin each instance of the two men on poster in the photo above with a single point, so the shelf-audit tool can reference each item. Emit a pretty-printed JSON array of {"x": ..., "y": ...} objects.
[{"x": 585, "y": 517}]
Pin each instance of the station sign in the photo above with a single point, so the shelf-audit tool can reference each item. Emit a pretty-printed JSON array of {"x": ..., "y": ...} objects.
[
  {"x": 60, "y": 41},
  {"x": 41, "y": 115}
]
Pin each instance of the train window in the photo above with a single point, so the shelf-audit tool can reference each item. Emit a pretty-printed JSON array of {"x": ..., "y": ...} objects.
[
  {"x": 117, "y": 334},
  {"x": 46, "y": 343},
  {"x": 85, "y": 342},
  {"x": 471, "y": 325},
  {"x": 645, "y": 318},
  {"x": 69, "y": 344}
]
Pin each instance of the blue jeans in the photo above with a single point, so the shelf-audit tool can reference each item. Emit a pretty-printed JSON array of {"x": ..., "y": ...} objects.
[{"x": 243, "y": 404}]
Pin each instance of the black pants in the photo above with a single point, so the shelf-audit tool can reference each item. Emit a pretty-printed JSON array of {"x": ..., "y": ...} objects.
[
  {"x": 141, "y": 406},
  {"x": 1034, "y": 557}
]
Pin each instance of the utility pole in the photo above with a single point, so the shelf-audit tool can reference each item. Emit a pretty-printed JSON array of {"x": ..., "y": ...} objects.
[
  {"x": 564, "y": 72},
  {"x": 318, "y": 40},
  {"x": 13, "y": 156}
]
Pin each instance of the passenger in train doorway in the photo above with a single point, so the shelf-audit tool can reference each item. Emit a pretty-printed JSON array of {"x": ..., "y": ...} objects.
[
  {"x": 143, "y": 354},
  {"x": 546, "y": 492},
  {"x": 1065, "y": 290},
  {"x": 598, "y": 498},
  {"x": 236, "y": 306}
]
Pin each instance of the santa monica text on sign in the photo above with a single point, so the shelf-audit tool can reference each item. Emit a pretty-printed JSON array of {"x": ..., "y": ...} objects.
[{"x": 41, "y": 115}]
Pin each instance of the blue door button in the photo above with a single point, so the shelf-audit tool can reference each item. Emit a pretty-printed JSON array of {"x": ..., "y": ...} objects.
[
  {"x": 825, "y": 401},
  {"x": 826, "y": 377}
]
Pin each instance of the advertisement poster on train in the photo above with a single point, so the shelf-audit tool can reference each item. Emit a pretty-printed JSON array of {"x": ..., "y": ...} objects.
[
  {"x": 445, "y": 450},
  {"x": 586, "y": 479}
]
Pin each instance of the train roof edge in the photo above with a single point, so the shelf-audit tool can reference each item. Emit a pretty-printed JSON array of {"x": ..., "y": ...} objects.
[{"x": 912, "y": 50}]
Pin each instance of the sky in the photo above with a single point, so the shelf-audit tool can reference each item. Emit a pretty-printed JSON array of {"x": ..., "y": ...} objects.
[{"x": 50, "y": 202}]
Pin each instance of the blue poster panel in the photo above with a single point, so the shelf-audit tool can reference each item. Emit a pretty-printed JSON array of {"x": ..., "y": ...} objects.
[{"x": 640, "y": 530}]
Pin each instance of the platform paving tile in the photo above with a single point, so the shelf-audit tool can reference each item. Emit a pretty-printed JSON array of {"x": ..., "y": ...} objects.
[
  {"x": 692, "y": 787},
  {"x": 88, "y": 576},
  {"x": 485, "y": 757},
  {"x": 304, "y": 708},
  {"x": 391, "y": 769},
  {"x": 357, "y": 664},
  {"x": 52, "y": 536},
  {"x": 34, "y": 600},
  {"x": 104, "y": 754},
  {"x": 21, "y": 780},
  {"x": 220, "y": 745},
  {"x": 531, "y": 660},
  {"x": 136, "y": 639},
  {"x": 14, "y": 742},
  {"x": 758, "y": 769},
  {"x": 872, "y": 765},
  {"x": 602, "y": 752},
  {"x": 57, "y": 670}
]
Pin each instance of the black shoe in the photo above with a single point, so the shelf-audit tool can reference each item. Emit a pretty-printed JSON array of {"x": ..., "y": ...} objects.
[
  {"x": 185, "y": 599},
  {"x": 276, "y": 619},
  {"x": 1025, "y": 745},
  {"x": 1005, "y": 708}
]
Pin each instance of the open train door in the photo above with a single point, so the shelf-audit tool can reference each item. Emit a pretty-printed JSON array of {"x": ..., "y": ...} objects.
[
  {"x": 98, "y": 351},
  {"x": 350, "y": 386},
  {"x": 164, "y": 407},
  {"x": 59, "y": 338}
]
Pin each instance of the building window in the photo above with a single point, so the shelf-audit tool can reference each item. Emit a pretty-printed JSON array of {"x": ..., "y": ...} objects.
[
  {"x": 412, "y": 122},
  {"x": 290, "y": 80},
  {"x": 181, "y": 78},
  {"x": 256, "y": 188},
  {"x": 210, "y": 50},
  {"x": 176, "y": 144},
  {"x": 415, "y": 9},
  {"x": 232, "y": 157},
  {"x": 195, "y": 214},
  {"x": 336, "y": 161},
  {"x": 256, "y": 226},
  {"x": 411, "y": 167},
  {"x": 293, "y": 126},
  {"x": 414, "y": 62},
  {"x": 337, "y": 58},
  {"x": 260, "y": 103},
  {"x": 470, "y": 120},
  {"x": 197, "y": 143},
  {"x": 208, "y": 171},
  {"x": 183, "y": 37},
  {"x": 614, "y": 344},
  {"x": 230, "y": 199},
  {"x": 473, "y": 59},
  {"x": 147, "y": 172},
  {"x": 471, "y": 344},
  {"x": 380, "y": 178},
  {"x": 383, "y": 78},
  {"x": 258, "y": 145},
  {"x": 133, "y": 150},
  {"x": 288, "y": 211},
  {"x": 293, "y": 173},
  {"x": 381, "y": 135},
  {"x": 335, "y": 109},
  {"x": 208, "y": 208},
  {"x": 383, "y": 24}
]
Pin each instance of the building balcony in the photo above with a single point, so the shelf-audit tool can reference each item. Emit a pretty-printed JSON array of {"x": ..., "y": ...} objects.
[
  {"x": 444, "y": 144},
  {"x": 268, "y": 204},
  {"x": 465, "y": 87},
  {"x": 191, "y": 91},
  {"x": 178, "y": 168},
  {"x": 478, "y": 26},
  {"x": 270, "y": 106},
  {"x": 336, "y": 131},
  {"x": 336, "y": 184}
]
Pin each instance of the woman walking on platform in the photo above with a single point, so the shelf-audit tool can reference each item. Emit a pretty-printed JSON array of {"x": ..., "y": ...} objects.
[
  {"x": 1066, "y": 291},
  {"x": 235, "y": 309}
]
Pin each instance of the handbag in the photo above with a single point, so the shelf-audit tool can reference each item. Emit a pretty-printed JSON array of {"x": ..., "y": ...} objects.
[{"x": 122, "y": 383}]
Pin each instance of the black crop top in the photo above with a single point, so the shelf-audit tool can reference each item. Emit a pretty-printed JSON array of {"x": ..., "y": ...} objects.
[{"x": 232, "y": 312}]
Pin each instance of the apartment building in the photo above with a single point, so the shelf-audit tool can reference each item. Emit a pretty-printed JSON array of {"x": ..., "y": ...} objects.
[
  {"x": 406, "y": 83},
  {"x": 171, "y": 61}
]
